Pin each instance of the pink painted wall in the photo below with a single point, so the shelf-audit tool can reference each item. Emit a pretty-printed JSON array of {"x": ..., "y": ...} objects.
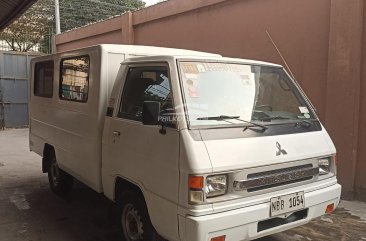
[
  {"x": 107, "y": 32},
  {"x": 238, "y": 29},
  {"x": 320, "y": 39}
]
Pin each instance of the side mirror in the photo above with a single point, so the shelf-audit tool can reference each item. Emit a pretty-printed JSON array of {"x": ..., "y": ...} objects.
[{"x": 150, "y": 113}]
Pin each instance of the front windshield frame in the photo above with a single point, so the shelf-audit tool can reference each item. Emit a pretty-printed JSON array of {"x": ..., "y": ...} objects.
[{"x": 296, "y": 89}]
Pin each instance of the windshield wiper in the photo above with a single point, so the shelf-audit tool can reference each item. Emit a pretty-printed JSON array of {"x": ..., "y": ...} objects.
[
  {"x": 219, "y": 118},
  {"x": 269, "y": 118},
  {"x": 225, "y": 117},
  {"x": 252, "y": 124}
]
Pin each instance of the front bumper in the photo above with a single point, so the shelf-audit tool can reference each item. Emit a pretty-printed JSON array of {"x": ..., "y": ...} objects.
[{"x": 242, "y": 224}]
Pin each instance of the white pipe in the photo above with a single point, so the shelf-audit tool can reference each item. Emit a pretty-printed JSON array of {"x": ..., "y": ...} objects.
[{"x": 57, "y": 17}]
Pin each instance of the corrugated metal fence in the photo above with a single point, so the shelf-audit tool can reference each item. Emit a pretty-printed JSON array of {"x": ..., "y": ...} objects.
[{"x": 14, "y": 71}]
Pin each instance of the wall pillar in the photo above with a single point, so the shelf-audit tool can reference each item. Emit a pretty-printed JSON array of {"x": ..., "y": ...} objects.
[
  {"x": 127, "y": 28},
  {"x": 343, "y": 86},
  {"x": 360, "y": 184}
]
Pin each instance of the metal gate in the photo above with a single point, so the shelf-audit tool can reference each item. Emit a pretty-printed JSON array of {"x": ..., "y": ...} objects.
[{"x": 14, "y": 70}]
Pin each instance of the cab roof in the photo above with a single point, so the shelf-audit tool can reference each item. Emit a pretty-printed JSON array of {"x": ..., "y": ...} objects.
[
  {"x": 213, "y": 58},
  {"x": 152, "y": 51}
]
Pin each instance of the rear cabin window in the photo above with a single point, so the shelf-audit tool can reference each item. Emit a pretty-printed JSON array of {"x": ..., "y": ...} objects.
[
  {"x": 43, "y": 79},
  {"x": 75, "y": 79}
]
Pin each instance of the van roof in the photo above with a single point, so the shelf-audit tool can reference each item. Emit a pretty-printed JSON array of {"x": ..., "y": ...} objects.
[
  {"x": 137, "y": 50},
  {"x": 151, "y": 52}
]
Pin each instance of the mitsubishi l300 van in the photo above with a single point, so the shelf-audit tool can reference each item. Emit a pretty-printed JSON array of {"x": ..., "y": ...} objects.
[{"x": 190, "y": 146}]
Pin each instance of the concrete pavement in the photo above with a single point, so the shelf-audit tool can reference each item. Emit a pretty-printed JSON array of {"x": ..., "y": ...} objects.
[{"x": 29, "y": 211}]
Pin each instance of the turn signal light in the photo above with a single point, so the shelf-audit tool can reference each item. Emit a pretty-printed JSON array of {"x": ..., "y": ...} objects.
[
  {"x": 195, "y": 182},
  {"x": 330, "y": 208},
  {"x": 220, "y": 238}
]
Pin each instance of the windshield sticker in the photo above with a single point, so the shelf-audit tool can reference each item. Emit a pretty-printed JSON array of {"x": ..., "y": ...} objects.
[
  {"x": 189, "y": 68},
  {"x": 192, "y": 90},
  {"x": 191, "y": 76},
  {"x": 236, "y": 68},
  {"x": 304, "y": 110},
  {"x": 307, "y": 116},
  {"x": 201, "y": 68}
]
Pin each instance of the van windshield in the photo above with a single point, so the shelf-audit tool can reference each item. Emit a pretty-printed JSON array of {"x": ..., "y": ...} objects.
[{"x": 227, "y": 94}]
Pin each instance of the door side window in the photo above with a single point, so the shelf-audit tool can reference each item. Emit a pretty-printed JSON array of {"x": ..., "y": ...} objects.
[
  {"x": 145, "y": 84},
  {"x": 43, "y": 79}
]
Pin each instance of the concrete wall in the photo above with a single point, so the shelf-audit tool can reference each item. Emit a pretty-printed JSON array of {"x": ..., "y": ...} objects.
[
  {"x": 360, "y": 182},
  {"x": 320, "y": 39},
  {"x": 238, "y": 29},
  {"x": 343, "y": 88},
  {"x": 108, "y": 32}
]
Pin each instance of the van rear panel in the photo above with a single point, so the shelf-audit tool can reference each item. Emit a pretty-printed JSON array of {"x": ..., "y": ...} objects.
[{"x": 71, "y": 125}]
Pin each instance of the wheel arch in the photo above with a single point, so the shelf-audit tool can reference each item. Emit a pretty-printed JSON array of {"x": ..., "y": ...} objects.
[
  {"x": 122, "y": 185},
  {"x": 48, "y": 151}
]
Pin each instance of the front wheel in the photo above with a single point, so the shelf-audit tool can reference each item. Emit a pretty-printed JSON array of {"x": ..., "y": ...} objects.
[
  {"x": 60, "y": 182},
  {"x": 134, "y": 221}
]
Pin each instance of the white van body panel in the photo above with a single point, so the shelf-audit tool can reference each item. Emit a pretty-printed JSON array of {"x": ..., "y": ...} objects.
[
  {"x": 75, "y": 129},
  {"x": 243, "y": 153}
]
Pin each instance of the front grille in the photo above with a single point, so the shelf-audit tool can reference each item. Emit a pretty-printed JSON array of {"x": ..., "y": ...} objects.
[
  {"x": 274, "y": 178},
  {"x": 278, "y": 171}
]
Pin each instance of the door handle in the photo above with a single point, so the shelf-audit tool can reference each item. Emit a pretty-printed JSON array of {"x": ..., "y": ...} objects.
[{"x": 116, "y": 133}]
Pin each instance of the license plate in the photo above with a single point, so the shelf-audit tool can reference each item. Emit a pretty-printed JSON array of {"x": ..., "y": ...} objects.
[{"x": 287, "y": 203}]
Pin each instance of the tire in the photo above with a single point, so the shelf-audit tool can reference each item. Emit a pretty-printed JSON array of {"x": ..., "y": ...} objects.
[
  {"x": 60, "y": 182},
  {"x": 133, "y": 219}
]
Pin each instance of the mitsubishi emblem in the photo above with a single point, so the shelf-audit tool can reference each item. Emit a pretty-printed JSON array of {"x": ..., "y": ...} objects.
[{"x": 280, "y": 150}]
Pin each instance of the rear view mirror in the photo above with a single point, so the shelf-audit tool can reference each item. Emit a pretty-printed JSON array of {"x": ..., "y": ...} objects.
[{"x": 150, "y": 113}]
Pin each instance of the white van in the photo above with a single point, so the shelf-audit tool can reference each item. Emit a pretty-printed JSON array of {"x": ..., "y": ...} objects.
[{"x": 190, "y": 145}]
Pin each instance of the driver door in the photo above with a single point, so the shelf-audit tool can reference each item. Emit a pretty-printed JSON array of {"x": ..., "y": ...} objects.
[{"x": 142, "y": 154}]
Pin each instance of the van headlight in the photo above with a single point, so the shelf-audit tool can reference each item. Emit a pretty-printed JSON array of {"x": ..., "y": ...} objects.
[
  {"x": 216, "y": 185},
  {"x": 325, "y": 166}
]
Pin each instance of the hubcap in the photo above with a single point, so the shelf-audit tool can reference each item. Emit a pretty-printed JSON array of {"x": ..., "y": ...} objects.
[{"x": 131, "y": 223}]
